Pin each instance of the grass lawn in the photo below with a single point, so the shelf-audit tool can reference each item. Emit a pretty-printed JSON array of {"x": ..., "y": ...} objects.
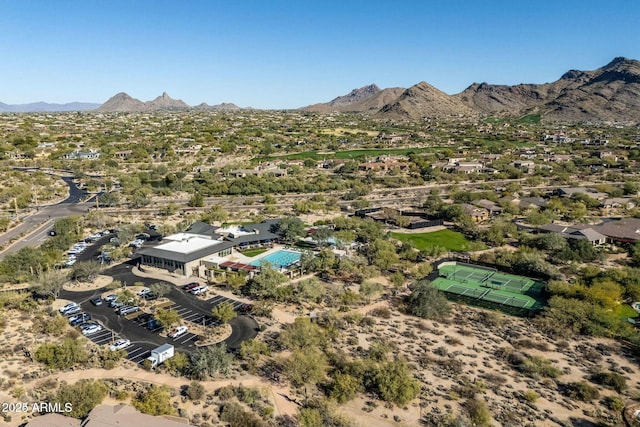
[
  {"x": 624, "y": 310},
  {"x": 253, "y": 252},
  {"x": 452, "y": 240},
  {"x": 347, "y": 154}
]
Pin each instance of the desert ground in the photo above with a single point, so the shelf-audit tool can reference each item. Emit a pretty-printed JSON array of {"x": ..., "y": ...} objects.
[{"x": 468, "y": 353}]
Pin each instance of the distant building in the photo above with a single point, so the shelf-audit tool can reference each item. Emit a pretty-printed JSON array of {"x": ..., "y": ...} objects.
[{"x": 82, "y": 155}]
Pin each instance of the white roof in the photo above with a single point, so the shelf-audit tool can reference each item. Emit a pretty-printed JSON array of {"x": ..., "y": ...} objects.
[{"x": 190, "y": 243}]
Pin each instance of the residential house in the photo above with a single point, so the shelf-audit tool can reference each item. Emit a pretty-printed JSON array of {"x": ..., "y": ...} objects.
[
  {"x": 82, "y": 155},
  {"x": 478, "y": 214},
  {"x": 109, "y": 416},
  {"x": 625, "y": 230},
  {"x": 575, "y": 232},
  {"x": 571, "y": 191},
  {"x": 489, "y": 205}
]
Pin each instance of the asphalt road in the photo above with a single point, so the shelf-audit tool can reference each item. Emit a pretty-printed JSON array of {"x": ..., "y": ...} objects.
[{"x": 43, "y": 219}]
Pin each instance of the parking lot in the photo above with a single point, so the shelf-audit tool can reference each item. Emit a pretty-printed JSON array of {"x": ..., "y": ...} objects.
[
  {"x": 135, "y": 353},
  {"x": 190, "y": 308}
]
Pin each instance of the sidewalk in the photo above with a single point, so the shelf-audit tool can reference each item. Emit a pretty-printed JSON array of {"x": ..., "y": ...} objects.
[{"x": 181, "y": 281}]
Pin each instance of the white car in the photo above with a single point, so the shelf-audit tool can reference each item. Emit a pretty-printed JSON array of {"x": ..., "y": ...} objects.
[
  {"x": 200, "y": 290},
  {"x": 180, "y": 330},
  {"x": 91, "y": 329},
  {"x": 143, "y": 292},
  {"x": 119, "y": 345},
  {"x": 69, "y": 307}
]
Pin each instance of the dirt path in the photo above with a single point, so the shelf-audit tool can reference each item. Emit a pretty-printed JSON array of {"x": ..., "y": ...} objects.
[{"x": 277, "y": 394}]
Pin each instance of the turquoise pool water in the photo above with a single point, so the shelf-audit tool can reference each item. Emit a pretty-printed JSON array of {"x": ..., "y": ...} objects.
[{"x": 279, "y": 259}]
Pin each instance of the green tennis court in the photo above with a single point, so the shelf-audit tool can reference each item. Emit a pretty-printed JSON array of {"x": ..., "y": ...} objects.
[{"x": 482, "y": 284}]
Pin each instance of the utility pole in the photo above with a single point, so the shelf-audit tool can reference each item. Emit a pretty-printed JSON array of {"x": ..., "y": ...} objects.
[{"x": 15, "y": 205}]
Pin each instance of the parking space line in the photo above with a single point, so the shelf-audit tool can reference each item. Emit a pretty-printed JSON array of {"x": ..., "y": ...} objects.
[
  {"x": 191, "y": 316},
  {"x": 215, "y": 299},
  {"x": 237, "y": 305},
  {"x": 189, "y": 339},
  {"x": 136, "y": 353}
]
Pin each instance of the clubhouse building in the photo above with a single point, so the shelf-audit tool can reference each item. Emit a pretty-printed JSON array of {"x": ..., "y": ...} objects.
[{"x": 190, "y": 253}]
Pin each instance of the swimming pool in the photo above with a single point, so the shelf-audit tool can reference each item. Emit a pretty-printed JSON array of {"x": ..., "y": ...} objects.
[{"x": 278, "y": 259}]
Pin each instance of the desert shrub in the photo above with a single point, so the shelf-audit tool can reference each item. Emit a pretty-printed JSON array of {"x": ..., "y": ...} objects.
[
  {"x": 582, "y": 391},
  {"x": 109, "y": 359},
  {"x": 478, "y": 412},
  {"x": 195, "y": 391},
  {"x": 54, "y": 325},
  {"x": 82, "y": 396},
  {"x": 395, "y": 384},
  {"x": 344, "y": 388},
  {"x": 235, "y": 416},
  {"x": 382, "y": 312},
  {"x": 154, "y": 401},
  {"x": 612, "y": 380},
  {"x": 61, "y": 356},
  {"x": 613, "y": 403},
  {"x": 178, "y": 364},
  {"x": 530, "y": 396}
]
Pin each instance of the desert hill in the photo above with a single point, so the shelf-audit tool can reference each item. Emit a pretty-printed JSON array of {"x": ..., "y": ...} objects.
[{"x": 609, "y": 93}]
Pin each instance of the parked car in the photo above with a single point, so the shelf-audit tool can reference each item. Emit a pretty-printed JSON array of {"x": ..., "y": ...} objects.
[
  {"x": 180, "y": 330},
  {"x": 153, "y": 324},
  {"x": 110, "y": 298},
  {"x": 143, "y": 292},
  {"x": 96, "y": 301},
  {"x": 199, "y": 290},
  {"x": 119, "y": 345},
  {"x": 190, "y": 286},
  {"x": 128, "y": 309},
  {"x": 68, "y": 307},
  {"x": 91, "y": 329},
  {"x": 79, "y": 319},
  {"x": 149, "y": 297},
  {"x": 73, "y": 311},
  {"x": 144, "y": 317}
]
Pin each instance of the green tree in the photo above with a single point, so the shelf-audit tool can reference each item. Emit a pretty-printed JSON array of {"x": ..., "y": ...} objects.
[
  {"x": 368, "y": 289},
  {"x": 85, "y": 271},
  {"x": 83, "y": 396},
  {"x": 344, "y": 388},
  {"x": 301, "y": 334},
  {"x": 306, "y": 366},
  {"x": 61, "y": 356},
  {"x": 196, "y": 201},
  {"x": 167, "y": 318},
  {"x": 160, "y": 289},
  {"x": 291, "y": 228},
  {"x": 155, "y": 400},
  {"x": 428, "y": 301},
  {"x": 209, "y": 361},
  {"x": 264, "y": 285},
  {"x": 51, "y": 282},
  {"x": 381, "y": 253},
  {"x": 223, "y": 312}
]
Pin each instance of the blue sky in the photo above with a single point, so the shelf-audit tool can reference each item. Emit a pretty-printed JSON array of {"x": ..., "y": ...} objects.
[{"x": 287, "y": 54}]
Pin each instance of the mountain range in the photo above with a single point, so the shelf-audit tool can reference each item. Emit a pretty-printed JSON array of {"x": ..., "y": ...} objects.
[
  {"x": 609, "y": 93},
  {"x": 125, "y": 103},
  {"x": 37, "y": 107}
]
